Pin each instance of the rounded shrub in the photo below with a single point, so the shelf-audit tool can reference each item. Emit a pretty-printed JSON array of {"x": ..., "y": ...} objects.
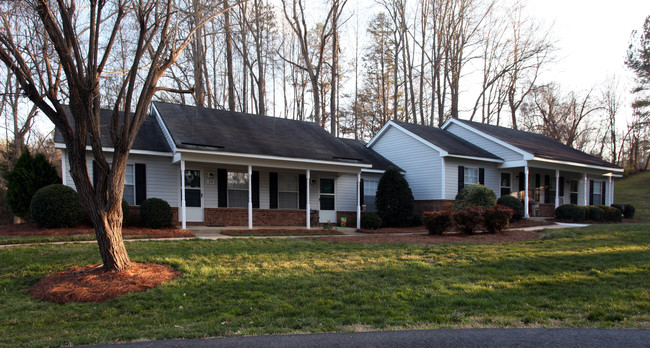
[
  {"x": 513, "y": 203},
  {"x": 497, "y": 218},
  {"x": 126, "y": 213},
  {"x": 570, "y": 212},
  {"x": 370, "y": 221},
  {"x": 611, "y": 213},
  {"x": 55, "y": 206},
  {"x": 628, "y": 213},
  {"x": 596, "y": 213},
  {"x": 620, "y": 207},
  {"x": 469, "y": 219},
  {"x": 394, "y": 200},
  {"x": 475, "y": 195},
  {"x": 438, "y": 222},
  {"x": 156, "y": 213}
]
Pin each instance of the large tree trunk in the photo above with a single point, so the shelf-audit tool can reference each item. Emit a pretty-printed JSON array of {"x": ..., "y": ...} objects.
[{"x": 108, "y": 230}]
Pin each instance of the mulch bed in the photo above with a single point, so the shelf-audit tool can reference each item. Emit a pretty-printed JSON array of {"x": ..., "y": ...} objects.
[
  {"x": 423, "y": 238},
  {"x": 93, "y": 284},
  {"x": 280, "y": 232},
  {"x": 31, "y": 229},
  {"x": 418, "y": 229}
]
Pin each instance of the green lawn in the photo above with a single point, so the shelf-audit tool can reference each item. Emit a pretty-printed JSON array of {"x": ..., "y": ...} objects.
[
  {"x": 588, "y": 277},
  {"x": 592, "y": 277},
  {"x": 636, "y": 190}
]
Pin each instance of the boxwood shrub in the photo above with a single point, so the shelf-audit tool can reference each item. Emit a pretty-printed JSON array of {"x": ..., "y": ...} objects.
[
  {"x": 570, "y": 212},
  {"x": 596, "y": 213},
  {"x": 370, "y": 221},
  {"x": 438, "y": 222},
  {"x": 611, "y": 213},
  {"x": 55, "y": 206},
  {"x": 156, "y": 213},
  {"x": 513, "y": 203},
  {"x": 475, "y": 195}
]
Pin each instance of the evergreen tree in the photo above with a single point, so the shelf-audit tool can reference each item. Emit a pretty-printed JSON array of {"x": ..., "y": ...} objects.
[
  {"x": 28, "y": 176},
  {"x": 395, "y": 203}
]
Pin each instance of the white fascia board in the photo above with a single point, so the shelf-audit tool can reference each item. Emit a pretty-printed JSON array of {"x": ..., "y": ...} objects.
[
  {"x": 378, "y": 171},
  {"x": 527, "y": 156},
  {"x": 512, "y": 164},
  {"x": 266, "y": 160},
  {"x": 477, "y": 158},
  {"x": 581, "y": 165},
  {"x": 414, "y": 136},
  {"x": 132, "y": 152},
  {"x": 164, "y": 129}
]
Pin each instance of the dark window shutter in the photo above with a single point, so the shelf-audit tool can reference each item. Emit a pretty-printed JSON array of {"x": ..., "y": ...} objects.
[
  {"x": 222, "y": 188},
  {"x": 140, "y": 183},
  {"x": 461, "y": 178},
  {"x": 561, "y": 188},
  {"x": 273, "y": 190},
  {"x": 547, "y": 189},
  {"x": 522, "y": 181},
  {"x": 591, "y": 192},
  {"x": 255, "y": 185},
  {"x": 538, "y": 182},
  {"x": 481, "y": 176},
  {"x": 95, "y": 174},
  {"x": 302, "y": 191},
  {"x": 604, "y": 190},
  {"x": 361, "y": 193}
]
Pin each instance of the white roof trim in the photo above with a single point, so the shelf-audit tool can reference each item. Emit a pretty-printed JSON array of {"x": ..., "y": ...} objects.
[
  {"x": 133, "y": 151},
  {"x": 378, "y": 171},
  {"x": 527, "y": 156},
  {"x": 276, "y": 158},
  {"x": 582, "y": 165},
  {"x": 164, "y": 129},
  {"x": 407, "y": 132},
  {"x": 484, "y": 159}
]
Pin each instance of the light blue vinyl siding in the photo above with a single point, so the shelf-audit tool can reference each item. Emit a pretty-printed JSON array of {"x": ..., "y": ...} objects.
[
  {"x": 492, "y": 175},
  {"x": 485, "y": 144},
  {"x": 421, "y": 163}
]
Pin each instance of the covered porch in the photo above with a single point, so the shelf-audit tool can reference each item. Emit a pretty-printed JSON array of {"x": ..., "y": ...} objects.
[
  {"x": 542, "y": 185},
  {"x": 226, "y": 189}
]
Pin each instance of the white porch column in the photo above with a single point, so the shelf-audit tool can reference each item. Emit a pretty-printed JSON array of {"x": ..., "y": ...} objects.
[
  {"x": 612, "y": 188},
  {"x": 610, "y": 194},
  {"x": 308, "y": 206},
  {"x": 557, "y": 188},
  {"x": 586, "y": 187},
  {"x": 183, "y": 211},
  {"x": 250, "y": 197},
  {"x": 358, "y": 200},
  {"x": 526, "y": 173}
]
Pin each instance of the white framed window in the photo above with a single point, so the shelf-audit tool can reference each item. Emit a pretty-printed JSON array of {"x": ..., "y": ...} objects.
[
  {"x": 370, "y": 193},
  {"x": 237, "y": 190},
  {"x": 129, "y": 184},
  {"x": 598, "y": 192},
  {"x": 471, "y": 176},
  {"x": 287, "y": 191}
]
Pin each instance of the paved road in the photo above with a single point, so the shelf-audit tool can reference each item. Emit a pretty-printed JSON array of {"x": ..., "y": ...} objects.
[{"x": 537, "y": 338}]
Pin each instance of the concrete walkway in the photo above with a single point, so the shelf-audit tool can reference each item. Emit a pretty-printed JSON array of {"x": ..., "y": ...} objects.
[{"x": 534, "y": 338}]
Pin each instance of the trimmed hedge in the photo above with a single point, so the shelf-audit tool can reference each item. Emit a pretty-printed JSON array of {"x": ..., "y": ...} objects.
[
  {"x": 570, "y": 212},
  {"x": 596, "y": 213},
  {"x": 56, "y": 206},
  {"x": 475, "y": 195},
  {"x": 156, "y": 213},
  {"x": 370, "y": 221},
  {"x": 611, "y": 213},
  {"x": 468, "y": 219},
  {"x": 438, "y": 222},
  {"x": 497, "y": 218},
  {"x": 513, "y": 203}
]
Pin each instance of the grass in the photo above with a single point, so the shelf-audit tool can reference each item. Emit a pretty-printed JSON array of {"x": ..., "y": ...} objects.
[
  {"x": 7, "y": 240},
  {"x": 636, "y": 190},
  {"x": 592, "y": 277}
]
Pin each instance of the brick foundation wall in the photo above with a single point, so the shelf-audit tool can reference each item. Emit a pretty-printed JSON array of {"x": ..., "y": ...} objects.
[
  {"x": 351, "y": 215},
  {"x": 261, "y": 217},
  {"x": 432, "y": 205}
]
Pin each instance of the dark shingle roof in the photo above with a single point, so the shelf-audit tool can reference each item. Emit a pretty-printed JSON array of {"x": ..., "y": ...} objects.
[
  {"x": 538, "y": 145},
  {"x": 225, "y": 131},
  {"x": 378, "y": 161},
  {"x": 447, "y": 141},
  {"x": 149, "y": 138}
]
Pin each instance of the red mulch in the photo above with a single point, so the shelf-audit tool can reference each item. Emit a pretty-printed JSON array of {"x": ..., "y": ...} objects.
[
  {"x": 279, "y": 231},
  {"x": 422, "y": 238},
  {"x": 93, "y": 284},
  {"x": 391, "y": 230},
  {"x": 31, "y": 229}
]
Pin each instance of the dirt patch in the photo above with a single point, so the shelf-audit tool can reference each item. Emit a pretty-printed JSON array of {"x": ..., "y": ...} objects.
[
  {"x": 280, "y": 232},
  {"x": 31, "y": 229},
  {"x": 423, "y": 238},
  {"x": 93, "y": 284}
]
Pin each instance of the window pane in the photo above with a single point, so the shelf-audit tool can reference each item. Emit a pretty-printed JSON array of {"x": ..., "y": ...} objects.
[
  {"x": 238, "y": 181},
  {"x": 597, "y": 187},
  {"x": 193, "y": 178},
  {"x": 192, "y": 198},
  {"x": 129, "y": 194},
  {"x": 237, "y": 199},
  {"x": 326, "y": 185},
  {"x": 370, "y": 203},
  {"x": 288, "y": 200},
  {"x": 471, "y": 176},
  {"x": 327, "y": 202},
  {"x": 129, "y": 177},
  {"x": 370, "y": 187},
  {"x": 288, "y": 183}
]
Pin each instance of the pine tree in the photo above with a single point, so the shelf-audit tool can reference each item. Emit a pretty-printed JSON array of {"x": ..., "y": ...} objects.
[{"x": 395, "y": 203}]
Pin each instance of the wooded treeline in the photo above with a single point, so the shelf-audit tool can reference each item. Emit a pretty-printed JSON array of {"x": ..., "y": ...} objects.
[{"x": 352, "y": 68}]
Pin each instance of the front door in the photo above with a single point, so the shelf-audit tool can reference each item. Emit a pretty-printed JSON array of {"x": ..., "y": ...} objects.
[
  {"x": 505, "y": 184},
  {"x": 193, "y": 195},
  {"x": 327, "y": 198}
]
